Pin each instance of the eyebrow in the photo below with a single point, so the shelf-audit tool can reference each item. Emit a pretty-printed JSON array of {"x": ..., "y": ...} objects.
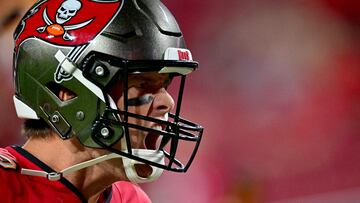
[{"x": 150, "y": 77}]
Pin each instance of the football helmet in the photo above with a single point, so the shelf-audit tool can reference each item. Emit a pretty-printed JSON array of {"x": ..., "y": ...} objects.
[{"x": 87, "y": 46}]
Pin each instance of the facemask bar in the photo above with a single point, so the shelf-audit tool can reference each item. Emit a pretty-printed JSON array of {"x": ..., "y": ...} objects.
[
  {"x": 177, "y": 130},
  {"x": 174, "y": 134}
]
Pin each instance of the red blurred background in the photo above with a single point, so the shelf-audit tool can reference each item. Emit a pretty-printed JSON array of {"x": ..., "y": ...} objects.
[{"x": 278, "y": 92}]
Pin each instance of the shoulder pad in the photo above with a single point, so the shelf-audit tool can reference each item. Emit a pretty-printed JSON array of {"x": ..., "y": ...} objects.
[{"x": 7, "y": 160}]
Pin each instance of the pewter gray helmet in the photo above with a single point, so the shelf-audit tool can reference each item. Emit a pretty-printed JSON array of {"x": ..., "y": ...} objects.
[{"x": 97, "y": 45}]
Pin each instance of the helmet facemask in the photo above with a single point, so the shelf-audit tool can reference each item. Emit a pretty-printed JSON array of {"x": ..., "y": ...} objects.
[{"x": 161, "y": 144}]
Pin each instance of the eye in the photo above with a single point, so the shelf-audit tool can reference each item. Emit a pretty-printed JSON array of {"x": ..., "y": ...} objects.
[
  {"x": 147, "y": 83},
  {"x": 72, "y": 11}
]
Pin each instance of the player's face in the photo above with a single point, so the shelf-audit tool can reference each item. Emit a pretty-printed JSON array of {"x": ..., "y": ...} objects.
[{"x": 147, "y": 96}]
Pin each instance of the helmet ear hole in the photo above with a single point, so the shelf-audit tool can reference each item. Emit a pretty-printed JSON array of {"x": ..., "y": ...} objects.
[{"x": 61, "y": 92}]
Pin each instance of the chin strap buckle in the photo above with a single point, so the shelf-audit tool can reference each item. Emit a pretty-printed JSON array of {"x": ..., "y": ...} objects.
[{"x": 53, "y": 176}]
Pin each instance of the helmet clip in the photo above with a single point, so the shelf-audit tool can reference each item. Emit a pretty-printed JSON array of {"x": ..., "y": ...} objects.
[
  {"x": 61, "y": 125},
  {"x": 102, "y": 130}
]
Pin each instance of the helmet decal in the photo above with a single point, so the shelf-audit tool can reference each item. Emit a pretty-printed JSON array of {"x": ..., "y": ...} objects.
[
  {"x": 66, "y": 11},
  {"x": 21, "y": 26},
  {"x": 71, "y": 23},
  {"x": 61, "y": 75},
  {"x": 61, "y": 22}
]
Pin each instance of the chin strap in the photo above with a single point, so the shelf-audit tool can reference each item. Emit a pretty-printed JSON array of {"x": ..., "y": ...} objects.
[
  {"x": 129, "y": 166},
  {"x": 54, "y": 176},
  {"x": 151, "y": 155}
]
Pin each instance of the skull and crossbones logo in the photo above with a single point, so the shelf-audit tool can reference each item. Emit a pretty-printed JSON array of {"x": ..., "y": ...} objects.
[{"x": 67, "y": 10}]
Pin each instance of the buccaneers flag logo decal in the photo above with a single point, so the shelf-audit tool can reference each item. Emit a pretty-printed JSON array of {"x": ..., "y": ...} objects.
[{"x": 67, "y": 22}]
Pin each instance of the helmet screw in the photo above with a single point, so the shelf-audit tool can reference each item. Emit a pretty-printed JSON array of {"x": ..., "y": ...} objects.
[
  {"x": 55, "y": 118},
  {"x": 80, "y": 115},
  {"x": 105, "y": 132},
  {"x": 99, "y": 71}
]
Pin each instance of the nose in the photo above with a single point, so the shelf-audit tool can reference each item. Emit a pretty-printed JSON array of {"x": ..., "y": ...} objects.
[{"x": 163, "y": 102}]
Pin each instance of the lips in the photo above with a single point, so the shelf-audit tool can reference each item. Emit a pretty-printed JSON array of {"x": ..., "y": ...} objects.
[{"x": 152, "y": 138}]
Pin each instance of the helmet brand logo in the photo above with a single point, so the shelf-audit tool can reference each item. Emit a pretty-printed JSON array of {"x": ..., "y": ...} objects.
[{"x": 61, "y": 75}]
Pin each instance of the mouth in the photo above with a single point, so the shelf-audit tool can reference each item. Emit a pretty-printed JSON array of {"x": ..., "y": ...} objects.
[
  {"x": 150, "y": 142},
  {"x": 59, "y": 17},
  {"x": 143, "y": 170},
  {"x": 151, "y": 139}
]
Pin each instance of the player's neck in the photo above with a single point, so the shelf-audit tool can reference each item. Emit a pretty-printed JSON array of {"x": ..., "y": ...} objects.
[
  {"x": 90, "y": 181},
  {"x": 48, "y": 150}
]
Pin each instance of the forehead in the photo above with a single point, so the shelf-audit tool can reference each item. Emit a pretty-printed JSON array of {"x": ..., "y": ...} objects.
[
  {"x": 148, "y": 76},
  {"x": 151, "y": 81}
]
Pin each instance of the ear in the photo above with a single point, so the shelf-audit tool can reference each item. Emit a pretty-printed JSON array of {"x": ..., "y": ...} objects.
[{"x": 65, "y": 95}]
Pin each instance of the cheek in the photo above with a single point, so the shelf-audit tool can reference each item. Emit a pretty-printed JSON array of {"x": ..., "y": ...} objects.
[
  {"x": 120, "y": 103},
  {"x": 134, "y": 93},
  {"x": 136, "y": 137}
]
